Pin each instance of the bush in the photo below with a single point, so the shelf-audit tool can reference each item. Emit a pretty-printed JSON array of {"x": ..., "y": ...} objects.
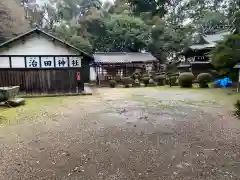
[
  {"x": 126, "y": 81},
  {"x": 186, "y": 79},
  {"x": 146, "y": 80},
  {"x": 237, "y": 107},
  {"x": 203, "y": 79},
  {"x": 118, "y": 78},
  {"x": 135, "y": 75},
  {"x": 173, "y": 80},
  {"x": 136, "y": 83},
  {"x": 160, "y": 79},
  {"x": 151, "y": 82},
  {"x": 112, "y": 83}
]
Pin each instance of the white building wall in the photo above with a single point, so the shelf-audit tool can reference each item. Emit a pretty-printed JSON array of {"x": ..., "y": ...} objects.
[
  {"x": 93, "y": 74},
  {"x": 37, "y": 45}
]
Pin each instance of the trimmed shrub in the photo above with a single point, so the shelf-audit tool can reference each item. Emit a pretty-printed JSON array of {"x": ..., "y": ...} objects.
[
  {"x": 118, "y": 78},
  {"x": 152, "y": 82},
  {"x": 135, "y": 75},
  {"x": 173, "y": 80},
  {"x": 146, "y": 80},
  {"x": 127, "y": 81},
  {"x": 112, "y": 83},
  {"x": 136, "y": 83},
  {"x": 237, "y": 108},
  {"x": 160, "y": 80},
  {"x": 186, "y": 79},
  {"x": 203, "y": 79}
]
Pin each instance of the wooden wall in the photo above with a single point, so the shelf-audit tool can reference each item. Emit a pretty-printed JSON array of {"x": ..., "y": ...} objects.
[{"x": 44, "y": 80}]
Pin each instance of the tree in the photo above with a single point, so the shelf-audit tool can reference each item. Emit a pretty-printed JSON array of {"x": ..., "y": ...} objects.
[
  {"x": 163, "y": 27},
  {"x": 12, "y": 20},
  {"x": 154, "y": 7},
  {"x": 226, "y": 54},
  {"x": 235, "y": 24},
  {"x": 70, "y": 33},
  {"x": 127, "y": 33}
]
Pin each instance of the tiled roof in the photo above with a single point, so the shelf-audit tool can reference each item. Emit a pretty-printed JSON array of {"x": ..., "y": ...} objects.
[
  {"x": 237, "y": 66},
  {"x": 216, "y": 37},
  {"x": 123, "y": 57},
  {"x": 211, "y": 40},
  {"x": 200, "y": 62},
  {"x": 184, "y": 66},
  {"x": 202, "y": 46}
]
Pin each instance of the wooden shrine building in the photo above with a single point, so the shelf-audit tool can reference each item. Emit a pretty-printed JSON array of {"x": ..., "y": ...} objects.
[
  {"x": 41, "y": 63},
  {"x": 196, "y": 57},
  {"x": 109, "y": 65}
]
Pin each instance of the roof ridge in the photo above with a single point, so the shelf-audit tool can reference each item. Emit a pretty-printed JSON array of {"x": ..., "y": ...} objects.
[
  {"x": 122, "y": 53},
  {"x": 45, "y": 33}
]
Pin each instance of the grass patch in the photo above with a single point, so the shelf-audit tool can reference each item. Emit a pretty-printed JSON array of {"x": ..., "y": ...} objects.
[
  {"x": 32, "y": 110},
  {"x": 227, "y": 96}
]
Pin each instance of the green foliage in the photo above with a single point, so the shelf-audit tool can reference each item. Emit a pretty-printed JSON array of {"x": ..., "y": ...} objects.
[
  {"x": 226, "y": 54},
  {"x": 145, "y": 80},
  {"x": 186, "y": 79},
  {"x": 171, "y": 80},
  {"x": 237, "y": 108},
  {"x": 12, "y": 20},
  {"x": 118, "y": 78},
  {"x": 127, "y": 32},
  {"x": 135, "y": 75},
  {"x": 203, "y": 79},
  {"x": 81, "y": 43},
  {"x": 162, "y": 27},
  {"x": 127, "y": 81},
  {"x": 160, "y": 79},
  {"x": 112, "y": 83},
  {"x": 236, "y": 22},
  {"x": 136, "y": 83},
  {"x": 69, "y": 33},
  {"x": 152, "y": 82}
]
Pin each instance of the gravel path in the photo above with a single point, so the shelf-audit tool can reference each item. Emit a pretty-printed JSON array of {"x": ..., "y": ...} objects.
[{"x": 125, "y": 134}]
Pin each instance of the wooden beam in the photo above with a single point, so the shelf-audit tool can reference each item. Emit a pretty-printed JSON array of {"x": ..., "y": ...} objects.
[{"x": 10, "y": 61}]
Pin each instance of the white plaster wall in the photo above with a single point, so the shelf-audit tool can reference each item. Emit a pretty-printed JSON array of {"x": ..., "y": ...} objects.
[
  {"x": 18, "y": 62},
  {"x": 93, "y": 74},
  {"x": 37, "y": 45},
  {"x": 4, "y": 62}
]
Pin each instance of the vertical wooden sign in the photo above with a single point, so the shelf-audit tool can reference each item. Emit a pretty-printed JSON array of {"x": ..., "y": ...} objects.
[{"x": 78, "y": 76}]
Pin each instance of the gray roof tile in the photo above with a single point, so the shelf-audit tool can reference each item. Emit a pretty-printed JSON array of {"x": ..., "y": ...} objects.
[
  {"x": 202, "y": 46},
  {"x": 123, "y": 57},
  {"x": 237, "y": 66},
  {"x": 216, "y": 37}
]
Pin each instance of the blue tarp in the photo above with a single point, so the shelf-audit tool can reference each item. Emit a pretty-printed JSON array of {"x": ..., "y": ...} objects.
[{"x": 225, "y": 82}]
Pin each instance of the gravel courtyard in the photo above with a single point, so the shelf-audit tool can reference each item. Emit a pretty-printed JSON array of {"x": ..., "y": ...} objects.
[{"x": 123, "y": 134}]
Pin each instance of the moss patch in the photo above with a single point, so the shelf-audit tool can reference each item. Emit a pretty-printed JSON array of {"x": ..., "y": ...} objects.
[{"x": 32, "y": 110}]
